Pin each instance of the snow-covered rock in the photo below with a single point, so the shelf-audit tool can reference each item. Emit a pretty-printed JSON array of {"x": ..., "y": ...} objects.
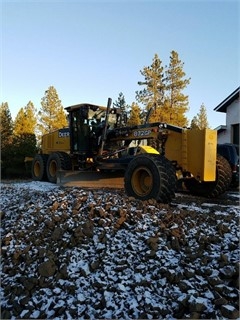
[{"x": 77, "y": 254}]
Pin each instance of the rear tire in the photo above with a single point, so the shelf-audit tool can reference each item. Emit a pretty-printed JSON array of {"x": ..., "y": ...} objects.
[
  {"x": 38, "y": 169},
  {"x": 150, "y": 177},
  {"x": 215, "y": 188},
  {"x": 57, "y": 161}
]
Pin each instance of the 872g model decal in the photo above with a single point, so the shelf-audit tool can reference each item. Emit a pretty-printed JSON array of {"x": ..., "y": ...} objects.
[{"x": 141, "y": 133}]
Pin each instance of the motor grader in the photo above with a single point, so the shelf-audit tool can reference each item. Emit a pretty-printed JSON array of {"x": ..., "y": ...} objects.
[{"x": 150, "y": 157}]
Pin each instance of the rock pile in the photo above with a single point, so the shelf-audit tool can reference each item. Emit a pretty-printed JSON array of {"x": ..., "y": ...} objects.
[{"x": 80, "y": 254}]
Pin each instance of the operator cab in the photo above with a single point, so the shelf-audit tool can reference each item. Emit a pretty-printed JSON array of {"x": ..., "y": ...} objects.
[{"x": 87, "y": 123}]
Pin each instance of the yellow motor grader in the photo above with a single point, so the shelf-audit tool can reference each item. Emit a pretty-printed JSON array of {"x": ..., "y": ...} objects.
[{"x": 149, "y": 157}]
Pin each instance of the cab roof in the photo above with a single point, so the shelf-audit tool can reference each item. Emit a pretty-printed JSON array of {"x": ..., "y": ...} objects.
[{"x": 89, "y": 105}]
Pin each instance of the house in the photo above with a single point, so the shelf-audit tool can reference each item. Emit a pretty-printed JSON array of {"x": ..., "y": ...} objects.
[{"x": 229, "y": 133}]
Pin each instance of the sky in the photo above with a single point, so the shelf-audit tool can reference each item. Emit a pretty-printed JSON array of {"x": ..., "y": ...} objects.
[{"x": 92, "y": 50}]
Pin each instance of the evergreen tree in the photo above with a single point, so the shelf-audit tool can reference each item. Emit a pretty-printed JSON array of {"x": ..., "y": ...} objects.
[
  {"x": 51, "y": 115},
  {"x": 6, "y": 126},
  {"x": 24, "y": 146},
  {"x": 18, "y": 141},
  {"x": 135, "y": 115},
  {"x": 163, "y": 91},
  {"x": 24, "y": 132},
  {"x": 19, "y": 123},
  {"x": 176, "y": 103},
  {"x": 194, "y": 124},
  {"x": 123, "y": 106},
  {"x": 152, "y": 96},
  {"x": 25, "y": 122},
  {"x": 6, "y": 129},
  {"x": 121, "y": 103},
  {"x": 200, "y": 120}
]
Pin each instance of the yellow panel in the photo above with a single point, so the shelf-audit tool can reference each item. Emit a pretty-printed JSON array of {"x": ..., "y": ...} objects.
[
  {"x": 58, "y": 140},
  {"x": 202, "y": 153},
  {"x": 173, "y": 147},
  {"x": 147, "y": 149},
  {"x": 210, "y": 155}
]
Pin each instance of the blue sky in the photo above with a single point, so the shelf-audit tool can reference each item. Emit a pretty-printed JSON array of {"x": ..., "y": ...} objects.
[{"x": 92, "y": 50}]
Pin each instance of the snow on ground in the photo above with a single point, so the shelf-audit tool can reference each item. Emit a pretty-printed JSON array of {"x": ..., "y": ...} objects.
[
  {"x": 77, "y": 254},
  {"x": 33, "y": 185}
]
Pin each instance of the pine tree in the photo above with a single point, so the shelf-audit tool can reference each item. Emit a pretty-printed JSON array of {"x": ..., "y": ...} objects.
[
  {"x": 194, "y": 123},
  {"x": 6, "y": 126},
  {"x": 200, "y": 120},
  {"x": 176, "y": 103},
  {"x": 25, "y": 145},
  {"x": 51, "y": 115},
  {"x": 19, "y": 123},
  {"x": 152, "y": 96},
  {"x": 121, "y": 103},
  {"x": 163, "y": 91},
  {"x": 123, "y": 106},
  {"x": 24, "y": 131},
  {"x": 25, "y": 121},
  {"x": 6, "y": 130},
  {"x": 135, "y": 115}
]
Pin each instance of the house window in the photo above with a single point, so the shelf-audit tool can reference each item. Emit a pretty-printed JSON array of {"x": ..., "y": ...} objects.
[{"x": 235, "y": 133}]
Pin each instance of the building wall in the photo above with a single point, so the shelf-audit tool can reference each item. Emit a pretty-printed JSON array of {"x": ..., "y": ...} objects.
[
  {"x": 232, "y": 118},
  {"x": 223, "y": 137}
]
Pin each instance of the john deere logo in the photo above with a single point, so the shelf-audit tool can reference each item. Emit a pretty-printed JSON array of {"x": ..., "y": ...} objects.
[{"x": 63, "y": 133}]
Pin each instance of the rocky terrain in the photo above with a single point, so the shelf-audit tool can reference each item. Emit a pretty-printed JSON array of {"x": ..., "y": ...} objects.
[{"x": 97, "y": 254}]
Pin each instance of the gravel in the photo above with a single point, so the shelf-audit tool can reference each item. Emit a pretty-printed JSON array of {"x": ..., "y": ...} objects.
[{"x": 85, "y": 254}]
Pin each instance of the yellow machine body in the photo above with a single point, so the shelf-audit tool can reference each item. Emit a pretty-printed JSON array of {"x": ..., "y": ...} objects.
[
  {"x": 195, "y": 151},
  {"x": 58, "y": 140}
]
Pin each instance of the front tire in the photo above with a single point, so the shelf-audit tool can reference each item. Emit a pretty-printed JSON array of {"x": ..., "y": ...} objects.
[
  {"x": 215, "y": 188},
  {"x": 150, "y": 177}
]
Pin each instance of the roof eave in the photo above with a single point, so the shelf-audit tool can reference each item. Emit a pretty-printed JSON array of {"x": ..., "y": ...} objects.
[
  {"x": 221, "y": 128},
  {"x": 222, "y": 107}
]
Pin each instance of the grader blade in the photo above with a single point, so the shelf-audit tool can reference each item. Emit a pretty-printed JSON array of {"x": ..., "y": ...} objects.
[{"x": 90, "y": 179}]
